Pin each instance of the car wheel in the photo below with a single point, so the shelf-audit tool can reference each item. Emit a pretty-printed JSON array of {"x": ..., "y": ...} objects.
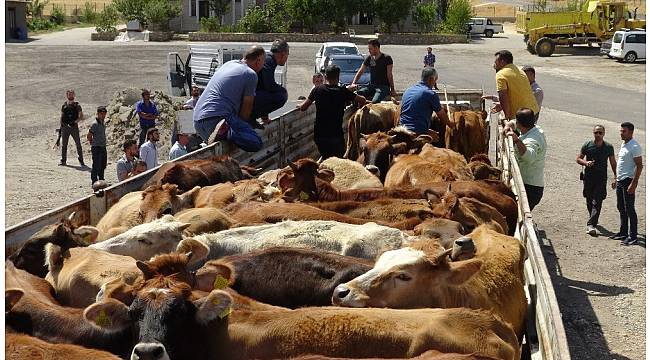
[
  {"x": 630, "y": 57},
  {"x": 530, "y": 48},
  {"x": 610, "y": 56},
  {"x": 544, "y": 47},
  {"x": 489, "y": 33}
]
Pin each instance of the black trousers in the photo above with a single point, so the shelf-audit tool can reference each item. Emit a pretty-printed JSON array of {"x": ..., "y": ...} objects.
[
  {"x": 625, "y": 206},
  {"x": 330, "y": 146},
  {"x": 100, "y": 159},
  {"x": 594, "y": 192},
  {"x": 534, "y": 194},
  {"x": 66, "y": 132},
  {"x": 143, "y": 133}
]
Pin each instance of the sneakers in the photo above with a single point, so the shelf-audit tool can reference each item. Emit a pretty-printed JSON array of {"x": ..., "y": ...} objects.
[
  {"x": 592, "y": 230},
  {"x": 618, "y": 237},
  {"x": 630, "y": 241}
]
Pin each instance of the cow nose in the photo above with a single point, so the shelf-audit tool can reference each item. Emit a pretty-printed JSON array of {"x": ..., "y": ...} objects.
[
  {"x": 464, "y": 242},
  {"x": 341, "y": 292},
  {"x": 148, "y": 351}
]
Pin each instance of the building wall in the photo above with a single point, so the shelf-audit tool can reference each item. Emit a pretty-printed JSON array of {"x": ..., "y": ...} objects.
[{"x": 21, "y": 17}]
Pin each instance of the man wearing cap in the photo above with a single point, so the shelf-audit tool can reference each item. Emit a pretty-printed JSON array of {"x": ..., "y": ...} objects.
[
  {"x": 97, "y": 139},
  {"x": 147, "y": 111},
  {"x": 180, "y": 146},
  {"x": 148, "y": 151},
  {"x": 269, "y": 95},
  {"x": 228, "y": 101}
]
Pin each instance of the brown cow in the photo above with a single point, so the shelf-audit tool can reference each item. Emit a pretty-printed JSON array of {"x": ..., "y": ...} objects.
[
  {"x": 429, "y": 355},
  {"x": 31, "y": 309},
  {"x": 367, "y": 120},
  {"x": 65, "y": 233},
  {"x": 144, "y": 206},
  {"x": 450, "y": 159},
  {"x": 204, "y": 220},
  {"x": 413, "y": 170},
  {"x": 289, "y": 277},
  {"x": 467, "y": 133},
  {"x": 220, "y": 195},
  {"x": 420, "y": 276},
  {"x": 482, "y": 168},
  {"x": 26, "y": 347},
  {"x": 469, "y": 212},
  {"x": 187, "y": 174},
  {"x": 386, "y": 210},
  {"x": 173, "y": 323}
]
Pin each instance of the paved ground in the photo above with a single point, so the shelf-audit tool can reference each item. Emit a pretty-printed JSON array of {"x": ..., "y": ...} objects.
[{"x": 600, "y": 284}]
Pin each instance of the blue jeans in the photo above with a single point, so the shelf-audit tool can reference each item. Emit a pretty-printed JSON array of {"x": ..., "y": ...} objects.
[
  {"x": 376, "y": 92},
  {"x": 240, "y": 132},
  {"x": 625, "y": 206},
  {"x": 267, "y": 102},
  {"x": 205, "y": 127}
]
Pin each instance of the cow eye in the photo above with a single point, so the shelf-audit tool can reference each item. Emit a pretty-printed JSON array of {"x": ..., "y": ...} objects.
[
  {"x": 403, "y": 277},
  {"x": 144, "y": 241},
  {"x": 167, "y": 211}
]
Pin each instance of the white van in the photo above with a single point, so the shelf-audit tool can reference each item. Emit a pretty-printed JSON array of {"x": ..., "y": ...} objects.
[{"x": 628, "y": 45}]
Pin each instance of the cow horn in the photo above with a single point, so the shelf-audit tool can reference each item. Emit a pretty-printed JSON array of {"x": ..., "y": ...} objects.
[
  {"x": 364, "y": 136},
  {"x": 72, "y": 215},
  {"x": 189, "y": 255},
  {"x": 392, "y": 138},
  {"x": 443, "y": 256}
]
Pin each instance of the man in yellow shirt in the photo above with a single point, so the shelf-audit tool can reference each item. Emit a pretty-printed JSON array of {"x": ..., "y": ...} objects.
[{"x": 513, "y": 87}]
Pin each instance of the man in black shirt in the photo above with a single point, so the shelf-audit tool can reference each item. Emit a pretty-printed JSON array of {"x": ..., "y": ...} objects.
[
  {"x": 71, "y": 113},
  {"x": 593, "y": 156},
  {"x": 330, "y": 101},
  {"x": 381, "y": 74}
]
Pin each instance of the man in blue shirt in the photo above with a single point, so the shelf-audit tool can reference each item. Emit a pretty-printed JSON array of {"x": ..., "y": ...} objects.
[
  {"x": 270, "y": 96},
  {"x": 147, "y": 111},
  {"x": 419, "y": 102},
  {"x": 229, "y": 96},
  {"x": 429, "y": 58}
]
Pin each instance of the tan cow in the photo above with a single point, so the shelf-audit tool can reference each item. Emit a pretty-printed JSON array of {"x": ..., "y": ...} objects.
[
  {"x": 26, "y": 347},
  {"x": 413, "y": 170},
  {"x": 467, "y": 133},
  {"x": 220, "y": 195},
  {"x": 350, "y": 174},
  {"x": 447, "y": 158},
  {"x": 429, "y": 355},
  {"x": 204, "y": 220},
  {"x": 420, "y": 276},
  {"x": 143, "y": 206},
  {"x": 369, "y": 119},
  {"x": 211, "y": 329},
  {"x": 469, "y": 212}
]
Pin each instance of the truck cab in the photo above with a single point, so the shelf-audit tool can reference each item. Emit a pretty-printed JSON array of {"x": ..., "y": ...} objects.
[{"x": 485, "y": 26}]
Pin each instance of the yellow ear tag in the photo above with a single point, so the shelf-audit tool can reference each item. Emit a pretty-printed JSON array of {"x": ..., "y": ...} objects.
[
  {"x": 303, "y": 196},
  {"x": 220, "y": 282},
  {"x": 102, "y": 320},
  {"x": 225, "y": 313}
]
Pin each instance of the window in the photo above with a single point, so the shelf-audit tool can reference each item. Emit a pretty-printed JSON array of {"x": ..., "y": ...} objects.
[
  {"x": 618, "y": 37},
  {"x": 193, "y": 8},
  {"x": 631, "y": 39},
  {"x": 641, "y": 38},
  {"x": 479, "y": 22},
  {"x": 489, "y": 22}
]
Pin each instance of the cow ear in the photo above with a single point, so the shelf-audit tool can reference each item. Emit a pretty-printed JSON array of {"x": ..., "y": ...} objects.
[
  {"x": 198, "y": 249},
  {"x": 326, "y": 174},
  {"x": 147, "y": 272},
  {"x": 110, "y": 314},
  {"x": 461, "y": 271},
  {"x": 400, "y": 148},
  {"x": 214, "y": 306},
  {"x": 118, "y": 289},
  {"x": 187, "y": 198},
  {"x": 286, "y": 181},
  {"x": 483, "y": 114},
  {"x": 88, "y": 234},
  {"x": 53, "y": 256},
  {"x": 12, "y": 296},
  {"x": 214, "y": 276}
]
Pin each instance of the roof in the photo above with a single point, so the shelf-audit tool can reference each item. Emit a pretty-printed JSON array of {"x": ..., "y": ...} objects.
[
  {"x": 347, "y": 44},
  {"x": 357, "y": 56}
]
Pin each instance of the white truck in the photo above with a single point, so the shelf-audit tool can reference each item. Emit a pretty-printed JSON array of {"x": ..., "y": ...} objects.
[{"x": 485, "y": 26}]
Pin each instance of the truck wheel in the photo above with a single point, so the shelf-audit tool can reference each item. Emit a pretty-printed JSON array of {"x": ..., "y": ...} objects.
[
  {"x": 630, "y": 57},
  {"x": 489, "y": 33},
  {"x": 544, "y": 47},
  {"x": 530, "y": 48}
]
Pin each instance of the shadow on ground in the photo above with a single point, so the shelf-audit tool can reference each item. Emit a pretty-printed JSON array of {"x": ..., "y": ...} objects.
[{"x": 583, "y": 330}]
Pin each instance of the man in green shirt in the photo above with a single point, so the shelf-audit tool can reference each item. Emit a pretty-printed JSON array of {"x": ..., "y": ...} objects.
[
  {"x": 530, "y": 150},
  {"x": 594, "y": 155}
]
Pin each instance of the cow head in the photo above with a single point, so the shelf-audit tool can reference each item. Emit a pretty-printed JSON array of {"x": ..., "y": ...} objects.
[
  {"x": 410, "y": 277},
  {"x": 378, "y": 149},
  {"x": 445, "y": 230},
  {"x": 66, "y": 234},
  {"x": 172, "y": 321},
  {"x": 159, "y": 200},
  {"x": 448, "y": 206},
  {"x": 302, "y": 184},
  {"x": 146, "y": 240}
]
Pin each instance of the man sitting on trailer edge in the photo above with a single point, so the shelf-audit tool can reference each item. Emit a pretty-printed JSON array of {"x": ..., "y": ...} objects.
[
  {"x": 227, "y": 101},
  {"x": 270, "y": 96},
  {"x": 419, "y": 102}
]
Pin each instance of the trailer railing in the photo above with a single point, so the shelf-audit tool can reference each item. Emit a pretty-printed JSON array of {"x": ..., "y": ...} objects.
[{"x": 545, "y": 337}]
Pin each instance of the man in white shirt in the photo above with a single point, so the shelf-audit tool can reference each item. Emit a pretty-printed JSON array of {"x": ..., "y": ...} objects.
[
  {"x": 180, "y": 146},
  {"x": 628, "y": 171},
  {"x": 191, "y": 102},
  {"x": 148, "y": 152}
]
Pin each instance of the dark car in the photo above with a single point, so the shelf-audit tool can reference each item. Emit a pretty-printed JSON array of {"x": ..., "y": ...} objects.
[{"x": 349, "y": 65}]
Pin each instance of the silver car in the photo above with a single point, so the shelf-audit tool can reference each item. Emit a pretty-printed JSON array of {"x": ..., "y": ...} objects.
[{"x": 333, "y": 48}]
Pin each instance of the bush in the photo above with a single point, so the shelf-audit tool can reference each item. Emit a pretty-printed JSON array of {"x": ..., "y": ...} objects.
[
  {"x": 35, "y": 8},
  {"x": 272, "y": 17},
  {"x": 425, "y": 16},
  {"x": 58, "y": 15},
  {"x": 255, "y": 21},
  {"x": 158, "y": 13},
  {"x": 131, "y": 10},
  {"x": 210, "y": 24},
  {"x": 458, "y": 14},
  {"x": 39, "y": 24},
  {"x": 107, "y": 19},
  {"x": 88, "y": 13}
]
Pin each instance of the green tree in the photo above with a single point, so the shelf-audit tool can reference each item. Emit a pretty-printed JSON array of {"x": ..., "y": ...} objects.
[
  {"x": 272, "y": 17},
  {"x": 277, "y": 15},
  {"x": 255, "y": 20},
  {"x": 391, "y": 12},
  {"x": 219, "y": 8},
  {"x": 88, "y": 13},
  {"x": 458, "y": 14},
  {"x": 36, "y": 7},
  {"x": 308, "y": 12},
  {"x": 58, "y": 15},
  {"x": 158, "y": 13},
  {"x": 425, "y": 16},
  {"x": 107, "y": 19},
  {"x": 131, "y": 9}
]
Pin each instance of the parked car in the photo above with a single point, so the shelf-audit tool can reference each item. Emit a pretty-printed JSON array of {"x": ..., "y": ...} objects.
[
  {"x": 605, "y": 47},
  {"x": 481, "y": 25},
  {"x": 333, "y": 48},
  {"x": 628, "y": 45},
  {"x": 349, "y": 65}
]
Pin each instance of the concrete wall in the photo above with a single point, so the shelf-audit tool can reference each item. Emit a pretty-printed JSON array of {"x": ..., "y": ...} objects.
[
  {"x": 397, "y": 39},
  {"x": 20, "y": 18}
]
